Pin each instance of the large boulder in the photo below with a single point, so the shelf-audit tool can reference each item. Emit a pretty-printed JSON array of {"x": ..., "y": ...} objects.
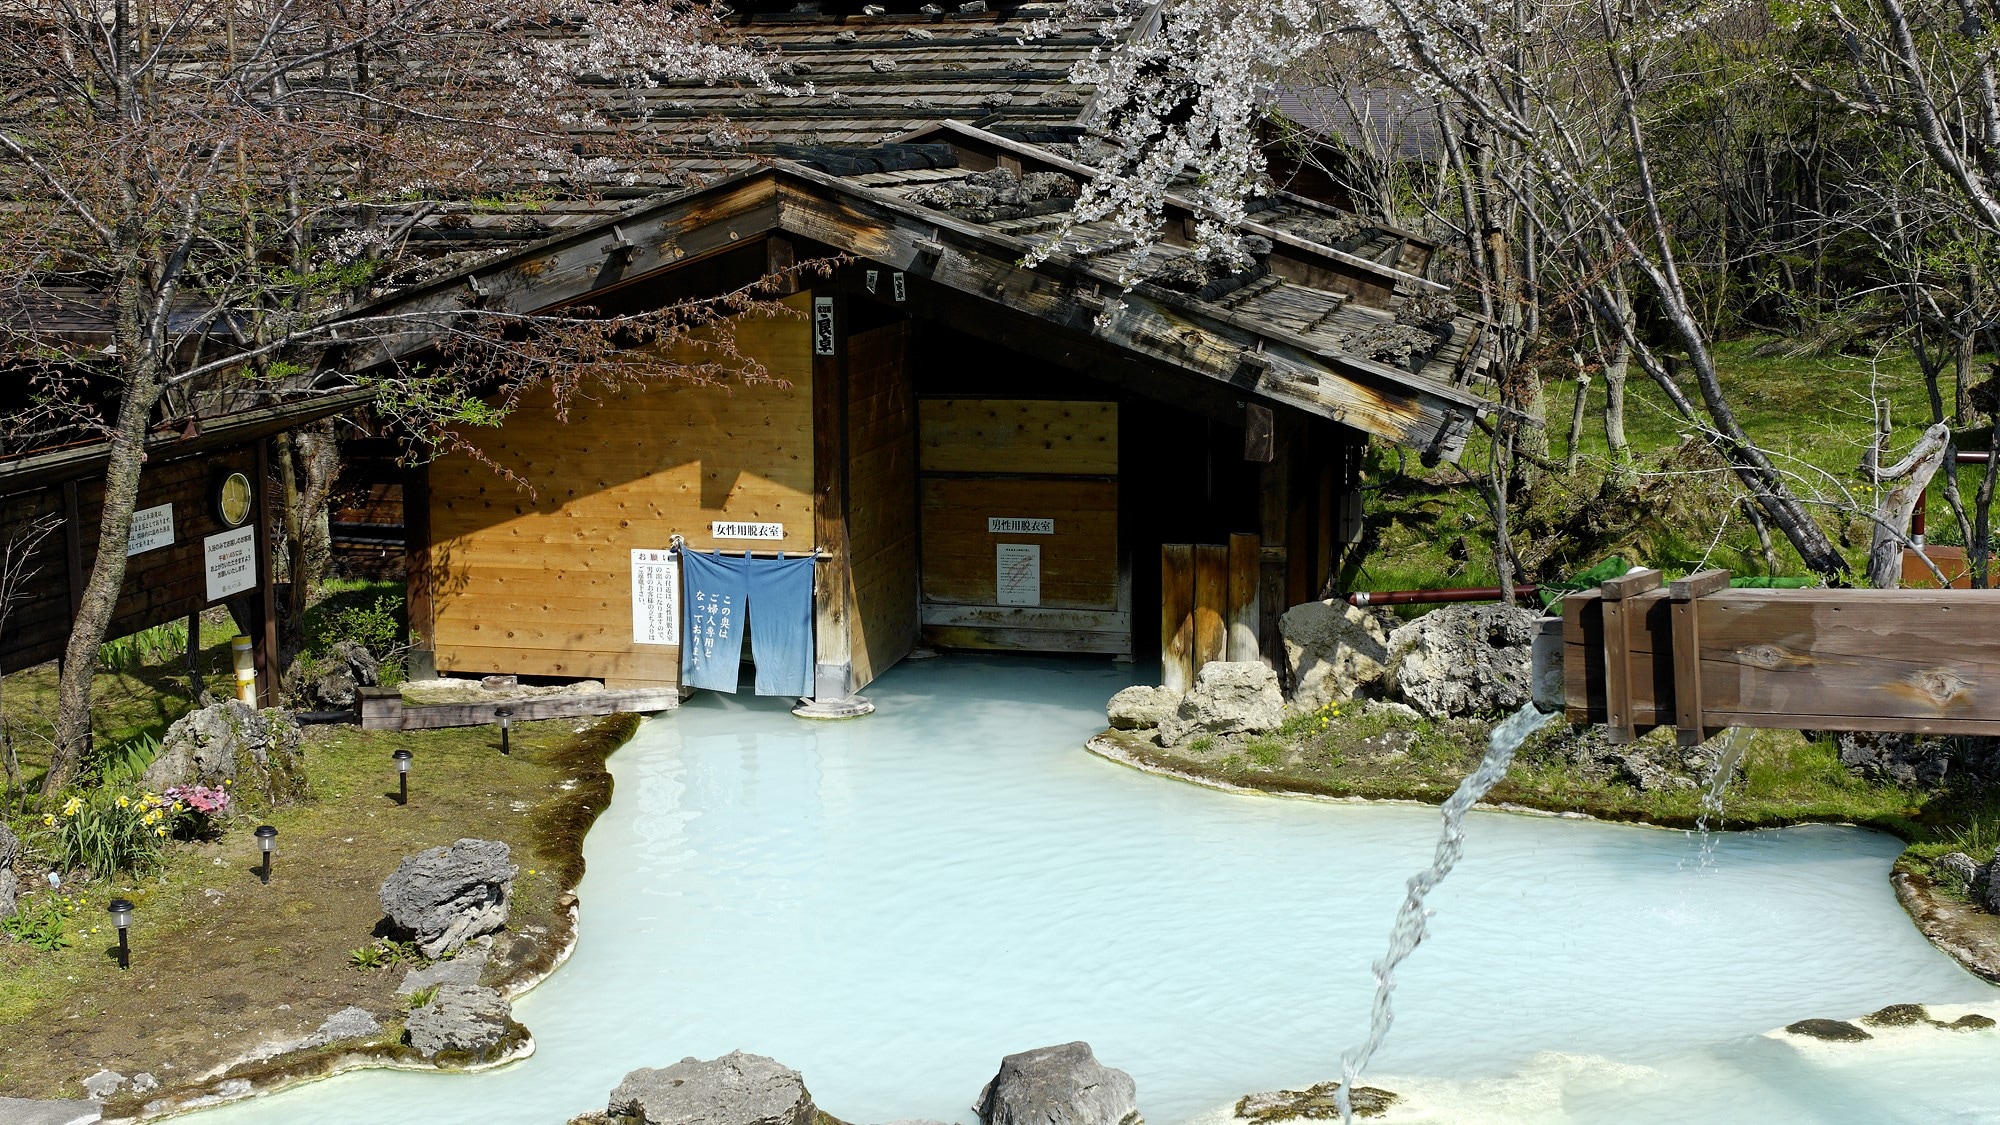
[
  {"x": 1229, "y": 697},
  {"x": 1464, "y": 660},
  {"x": 445, "y": 897},
  {"x": 1063, "y": 1085},
  {"x": 1334, "y": 651},
  {"x": 462, "y": 1020},
  {"x": 1986, "y": 886},
  {"x": 1902, "y": 759},
  {"x": 10, "y": 849},
  {"x": 1137, "y": 708},
  {"x": 257, "y": 751},
  {"x": 736, "y": 1089}
]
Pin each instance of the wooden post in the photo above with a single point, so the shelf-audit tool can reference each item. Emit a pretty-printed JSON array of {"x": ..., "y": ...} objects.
[
  {"x": 1274, "y": 510},
  {"x": 1620, "y": 722},
  {"x": 833, "y": 653},
  {"x": 267, "y": 590},
  {"x": 1211, "y": 604},
  {"x": 1689, "y": 729},
  {"x": 1243, "y": 616},
  {"x": 197, "y": 685},
  {"x": 1177, "y": 616},
  {"x": 420, "y": 583}
]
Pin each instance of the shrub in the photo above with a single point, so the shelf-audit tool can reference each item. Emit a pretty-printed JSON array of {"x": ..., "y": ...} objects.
[
  {"x": 156, "y": 645},
  {"x": 41, "y": 922},
  {"x": 127, "y": 761},
  {"x": 106, "y": 832},
  {"x": 376, "y": 626},
  {"x": 193, "y": 812}
]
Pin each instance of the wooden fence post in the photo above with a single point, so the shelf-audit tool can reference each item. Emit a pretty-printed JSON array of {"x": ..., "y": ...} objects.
[
  {"x": 1689, "y": 728},
  {"x": 1177, "y": 616},
  {"x": 1245, "y": 556},
  {"x": 1620, "y": 722},
  {"x": 1211, "y": 596}
]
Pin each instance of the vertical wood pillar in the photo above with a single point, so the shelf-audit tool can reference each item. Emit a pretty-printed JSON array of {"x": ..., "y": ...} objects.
[
  {"x": 267, "y": 590},
  {"x": 420, "y": 583},
  {"x": 197, "y": 684},
  {"x": 1690, "y": 728},
  {"x": 1243, "y": 623},
  {"x": 1274, "y": 526},
  {"x": 1620, "y": 695},
  {"x": 1177, "y": 616},
  {"x": 833, "y": 653},
  {"x": 1211, "y": 604}
]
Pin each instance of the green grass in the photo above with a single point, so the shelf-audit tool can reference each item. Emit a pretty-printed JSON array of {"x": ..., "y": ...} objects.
[{"x": 1430, "y": 528}]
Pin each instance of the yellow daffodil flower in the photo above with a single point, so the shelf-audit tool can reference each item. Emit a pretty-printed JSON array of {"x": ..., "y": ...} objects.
[
  {"x": 159, "y": 832},
  {"x": 48, "y": 819},
  {"x": 124, "y": 802},
  {"x": 73, "y": 806}
]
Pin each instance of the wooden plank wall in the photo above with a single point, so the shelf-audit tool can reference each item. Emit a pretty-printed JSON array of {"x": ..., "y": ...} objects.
[
  {"x": 882, "y": 492},
  {"x": 1029, "y": 458},
  {"x": 541, "y": 584},
  {"x": 161, "y": 585}
]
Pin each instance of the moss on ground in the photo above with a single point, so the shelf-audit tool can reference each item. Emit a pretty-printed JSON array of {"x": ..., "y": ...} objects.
[{"x": 222, "y": 964}]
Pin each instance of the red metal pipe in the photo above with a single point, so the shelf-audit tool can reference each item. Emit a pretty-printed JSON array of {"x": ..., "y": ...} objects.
[{"x": 1419, "y": 597}]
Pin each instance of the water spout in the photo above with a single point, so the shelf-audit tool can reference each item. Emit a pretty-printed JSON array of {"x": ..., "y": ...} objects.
[
  {"x": 1412, "y": 920},
  {"x": 1729, "y": 746}
]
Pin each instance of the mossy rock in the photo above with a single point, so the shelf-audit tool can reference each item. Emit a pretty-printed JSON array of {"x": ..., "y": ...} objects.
[
  {"x": 1831, "y": 1031},
  {"x": 1898, "y": 1015},
  {"x": 1313, "y": 1103},
  {"x": 1971, "y": 1021}
]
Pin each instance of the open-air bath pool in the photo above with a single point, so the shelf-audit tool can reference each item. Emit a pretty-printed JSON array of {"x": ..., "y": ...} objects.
[{"x": 891, "y": 904}]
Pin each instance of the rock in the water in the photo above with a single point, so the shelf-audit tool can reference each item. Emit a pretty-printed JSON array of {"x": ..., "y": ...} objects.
[
  {"x": 1463, "y": 660},
  {"x": 233, "y": 741},
  {"x": 1897, "y": 1015},
  {"x": 736, "y": 1089},
  {"x": 445, "y": 897},
  {"x": 1314, "y": 1103},
  {"x": 1334, "y": 651},
  {"x": 461, "y": 1019},
  {"x": 1833, "y": 1031},
  {"x": 1971, "y": 1021},
  {"x": 1229, "y": 697},
  {"x": 36, "y": 1111},
  {"x": 1904, "y": 759},
  {"x": 10, "y": 847},
  {"x": 1063, "y": 1085},
  {"x": 1137, "y": 708},
  {"x": 347, "y": 1023},
  {"x": 103, "y": 1084}
]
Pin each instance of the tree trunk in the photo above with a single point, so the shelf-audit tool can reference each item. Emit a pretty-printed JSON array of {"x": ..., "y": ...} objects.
[
  {"x": 1895, "y": 505},
  {"x": 319, "y": 458},
  {"x": 1575, "y": 448},
  {"x": 1615, "y": 370},
  {"x": 100, "y": 592}
]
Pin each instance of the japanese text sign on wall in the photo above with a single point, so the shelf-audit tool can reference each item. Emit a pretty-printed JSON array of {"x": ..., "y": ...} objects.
[
  {"x": 712, "y": 618},
  {"x": 721, "y": 530},
  {"x": 230, "y": 559},
  {"x": 1020, "y": 525},
  {"x": 822, "y": 325},
  {"x": 151, "y": 528},
  {"x": 656, "y": 598},
  {"x": 1018, "y": 574}
]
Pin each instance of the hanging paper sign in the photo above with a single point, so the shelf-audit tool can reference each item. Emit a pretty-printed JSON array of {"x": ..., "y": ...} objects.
[
  {"x": 822, "y": 325},
  {"x": 874, "y": 277},
  {"x": 896, "y": 283},
  {"x": 1020, "y": 525},
  {"x": 231, "y": 561},
  {"x": 721, "y": 530},
  {"x": 151, "y": 528},
  {"x": 1018, "y": 573},
  {"x": 656, "y": 598}
]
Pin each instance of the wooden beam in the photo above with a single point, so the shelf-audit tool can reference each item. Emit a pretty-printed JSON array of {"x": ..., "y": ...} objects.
[
  {"x": 1274, "y": 525},
  {"x": 1211, "y": 604},
  {"x": 1690, "y": 729},
  {"x": 833, "y": 658},
  {"x": 1258, "y": 426},
  {"x": 418, "y": 578},
  {"x": 1177, "y": 645},
  {"x": 268, "y": 693},
  {"x": 1245, "y": 564}
]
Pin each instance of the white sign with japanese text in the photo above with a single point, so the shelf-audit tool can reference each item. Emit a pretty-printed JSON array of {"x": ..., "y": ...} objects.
[
  {"x": 656, "y": 598},
  {"x": 230, "y": 559},
  {"x": 1018, "y": 573},
  {"x": 151, "y": 528},
  {"x": 1020, "y": 525},
  {"x": 722, "y": 530},
  {"x": 822, "y": 325}
]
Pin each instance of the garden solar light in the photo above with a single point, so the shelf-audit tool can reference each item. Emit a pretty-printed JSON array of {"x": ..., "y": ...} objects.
[
  {"x": 267, "y": 841},
  {"x": 121, "y": 916},
  {"x": 402, "y": 776},
  {"x": 506, "y": 717}
]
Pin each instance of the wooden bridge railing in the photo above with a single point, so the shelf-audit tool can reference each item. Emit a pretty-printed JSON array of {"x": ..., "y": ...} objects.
[{"x": 1700, "y": 656}]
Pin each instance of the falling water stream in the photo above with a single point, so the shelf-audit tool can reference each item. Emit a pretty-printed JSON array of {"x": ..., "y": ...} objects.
[
  {"x": 1413, "y": 918},
  {"x": 891, "y": 904}
]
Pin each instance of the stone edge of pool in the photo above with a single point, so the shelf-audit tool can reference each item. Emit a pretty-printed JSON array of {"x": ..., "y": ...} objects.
[
  {"x": 256, "y": 1075},
  {"x": 1953, "y": 927}
]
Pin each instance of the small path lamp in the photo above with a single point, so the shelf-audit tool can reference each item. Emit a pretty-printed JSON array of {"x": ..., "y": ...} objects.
[
  {"x": 402, "y": 776},
  {"x": 506, "y": 717},
  {"x": 267, "y": 842},
  {"x": 121, "y": 916}
]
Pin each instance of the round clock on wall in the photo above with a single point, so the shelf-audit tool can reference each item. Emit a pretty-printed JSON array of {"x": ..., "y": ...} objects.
[{"x": 232, "y": 499}]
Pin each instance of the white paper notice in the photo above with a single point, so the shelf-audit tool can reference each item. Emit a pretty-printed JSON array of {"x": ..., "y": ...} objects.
[
  {"x": 1020, "y": 525},
  {"x": 1018, "y": 571},
  {"x": 656, "y": 598},
  {"x": 151, "y": 528},
  {"x": 231, "y": 559},
  {"x": 721, "y": 529}
]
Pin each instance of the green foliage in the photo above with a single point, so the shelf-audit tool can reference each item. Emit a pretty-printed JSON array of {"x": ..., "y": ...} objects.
[
  {"x": 1265, "y": 752},
  {"x": 148, "y": 647},
  {"x": 370, "y": 614},
  {"x": 384, "y": 953},
  {"x": 124, "y": 763},
  {"x": 105, "y": 832},
  {"x": 420, "y": 997},
  {"x": 1202, "y": 744},
  {"x": 41, "y": 922}
]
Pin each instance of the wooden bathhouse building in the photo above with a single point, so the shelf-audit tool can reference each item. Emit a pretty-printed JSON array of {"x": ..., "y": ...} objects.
[{"x": 983, "y": 455}]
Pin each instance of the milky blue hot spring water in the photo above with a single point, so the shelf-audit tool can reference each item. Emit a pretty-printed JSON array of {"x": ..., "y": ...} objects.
[{"x": 891, "y": 904}]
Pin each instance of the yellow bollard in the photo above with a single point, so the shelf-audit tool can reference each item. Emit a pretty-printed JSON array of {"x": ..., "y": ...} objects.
[{"x": 246, "y": 669}]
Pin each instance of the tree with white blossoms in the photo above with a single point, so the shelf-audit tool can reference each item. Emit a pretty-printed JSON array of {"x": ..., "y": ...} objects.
[{"x": 218, "y": 182}]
